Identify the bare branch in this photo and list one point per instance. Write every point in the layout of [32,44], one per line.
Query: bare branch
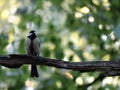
[16,60]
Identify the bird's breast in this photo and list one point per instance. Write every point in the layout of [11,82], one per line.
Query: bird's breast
[31,48]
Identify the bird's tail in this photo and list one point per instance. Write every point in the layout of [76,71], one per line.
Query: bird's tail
[34,72]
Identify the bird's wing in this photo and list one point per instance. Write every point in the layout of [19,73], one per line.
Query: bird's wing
[36,45]
[27,45]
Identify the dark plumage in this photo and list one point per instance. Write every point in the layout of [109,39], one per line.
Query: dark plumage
[32,46]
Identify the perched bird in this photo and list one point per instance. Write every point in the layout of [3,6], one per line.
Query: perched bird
[32,46]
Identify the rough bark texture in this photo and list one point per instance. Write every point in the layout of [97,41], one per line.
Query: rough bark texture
[111,68]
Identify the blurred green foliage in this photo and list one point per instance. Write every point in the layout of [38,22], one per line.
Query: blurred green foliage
[71,30]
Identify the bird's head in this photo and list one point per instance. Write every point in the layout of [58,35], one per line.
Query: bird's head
[32,34]
[32,31]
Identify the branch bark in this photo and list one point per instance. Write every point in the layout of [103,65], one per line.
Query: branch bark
[111,68]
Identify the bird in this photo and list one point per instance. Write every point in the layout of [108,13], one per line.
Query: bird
[32,46]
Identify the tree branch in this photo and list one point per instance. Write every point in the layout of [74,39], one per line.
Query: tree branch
[111,68]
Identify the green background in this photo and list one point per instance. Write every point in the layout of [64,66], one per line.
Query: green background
[70,30]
